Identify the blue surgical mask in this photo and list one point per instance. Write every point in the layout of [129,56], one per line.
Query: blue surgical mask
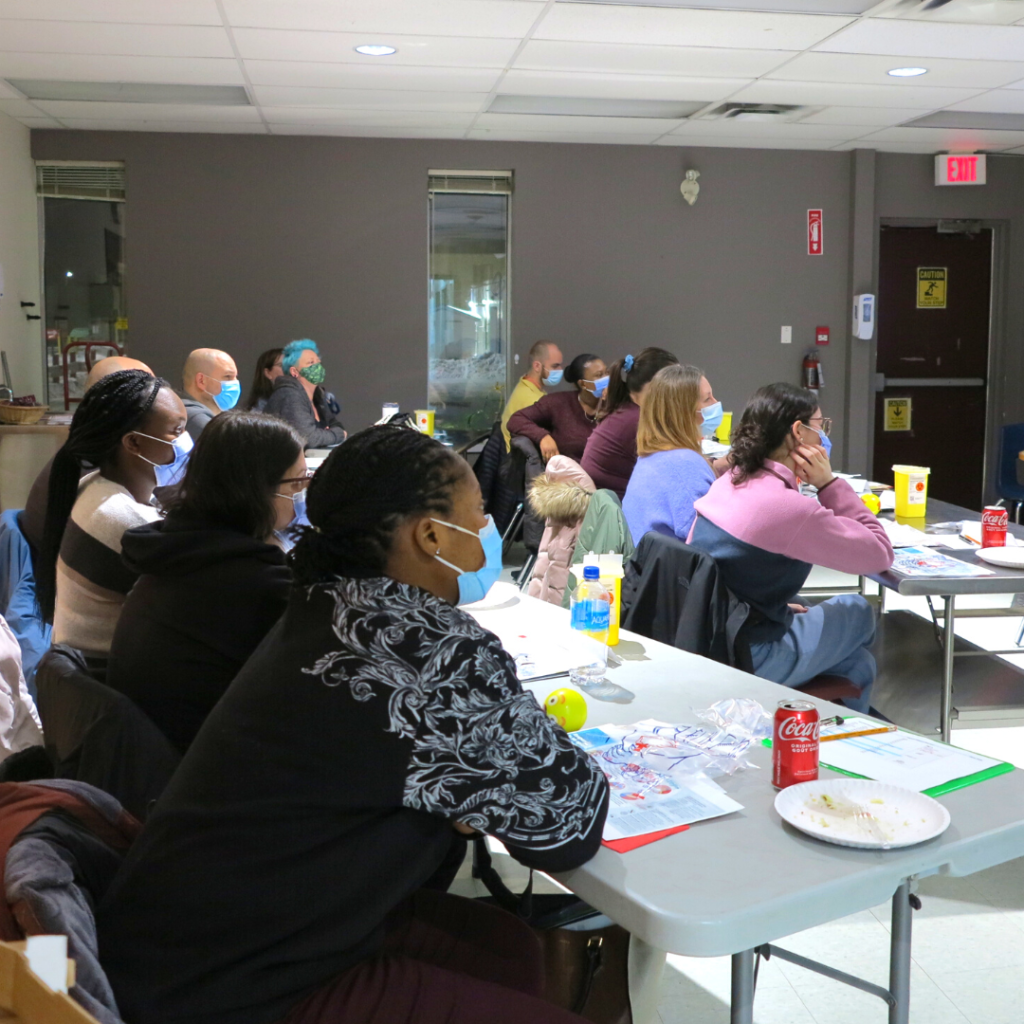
[554,377]
[826,442]
[230,392]
[169,473]
[298,501]
[474,586]
[712,417]
[601,385]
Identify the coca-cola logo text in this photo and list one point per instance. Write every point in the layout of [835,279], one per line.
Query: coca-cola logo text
[998,519]
[796,729]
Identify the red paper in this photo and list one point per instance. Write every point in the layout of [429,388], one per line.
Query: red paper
[635,842]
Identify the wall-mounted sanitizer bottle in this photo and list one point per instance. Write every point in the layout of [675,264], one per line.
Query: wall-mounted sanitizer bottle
[864,316]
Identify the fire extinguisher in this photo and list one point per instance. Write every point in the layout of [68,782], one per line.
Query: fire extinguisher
[812,372]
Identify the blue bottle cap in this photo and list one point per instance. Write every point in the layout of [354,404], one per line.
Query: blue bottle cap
[591,572]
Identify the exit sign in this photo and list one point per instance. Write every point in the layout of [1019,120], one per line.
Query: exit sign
[960,169]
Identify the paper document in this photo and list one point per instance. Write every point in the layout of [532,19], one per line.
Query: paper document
[888,501]
[920,561]
[904,759]
[852,725]
[713,448]
[902,536]
[539,652]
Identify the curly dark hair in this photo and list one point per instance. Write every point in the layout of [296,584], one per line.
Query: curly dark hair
[358,497]
[767,419]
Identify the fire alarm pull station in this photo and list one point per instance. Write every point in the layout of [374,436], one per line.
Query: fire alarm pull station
[821,336]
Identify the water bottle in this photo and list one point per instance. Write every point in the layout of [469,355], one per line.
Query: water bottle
[590,614]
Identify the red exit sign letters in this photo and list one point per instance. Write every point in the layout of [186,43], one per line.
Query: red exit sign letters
[960,169]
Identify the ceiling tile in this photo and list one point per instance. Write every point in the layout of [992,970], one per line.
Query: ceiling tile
[999,101]
[145,111]
[380,118]
[38,122]
[818,94]
[960,139]
[731,129]
[368,99]
[889,147]
[878,117]
[339,47]
[633,87]
[498,18]
[90,124]
[601,139]
[680,27]
[90,68]
[759,143]
[588,125]
[927,39]
[979,12]
[19,108]
[368,76]
[8,93]
[126,40]
[869,69]
[366,131]
[151,12]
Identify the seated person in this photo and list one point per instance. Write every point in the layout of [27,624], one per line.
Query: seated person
[32,519]
[765,536]
[298,398]
[611,449]
[545,359]
[211,387]
[268,369]
[211,578]
[560,423]
[670,472]
[131,427]
[281,876]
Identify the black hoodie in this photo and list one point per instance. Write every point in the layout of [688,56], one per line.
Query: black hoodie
[205,598]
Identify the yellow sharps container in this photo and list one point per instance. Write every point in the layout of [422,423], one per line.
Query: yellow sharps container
[911,483]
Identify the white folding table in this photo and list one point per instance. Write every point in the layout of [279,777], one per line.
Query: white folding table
[734,884]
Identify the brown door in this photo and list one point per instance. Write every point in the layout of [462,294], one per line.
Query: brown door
[933,325]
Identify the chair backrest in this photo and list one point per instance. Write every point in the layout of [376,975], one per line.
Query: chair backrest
[25,995]
[95,734]
[1011,445]
[18,603]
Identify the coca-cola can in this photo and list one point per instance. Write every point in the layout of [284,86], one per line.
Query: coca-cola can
[994,519]
[795,743]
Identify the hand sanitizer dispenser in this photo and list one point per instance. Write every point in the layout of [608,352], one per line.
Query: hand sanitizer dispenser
[864,316]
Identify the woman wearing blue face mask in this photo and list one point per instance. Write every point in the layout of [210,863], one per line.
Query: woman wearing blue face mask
[823,426]
[375,723]
[130,429]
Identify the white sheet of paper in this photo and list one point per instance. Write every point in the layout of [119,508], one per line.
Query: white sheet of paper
[888,501]
[904,759]
[902,536]
[538,653]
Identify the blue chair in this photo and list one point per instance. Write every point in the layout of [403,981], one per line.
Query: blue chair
[18,603]
[1008,485]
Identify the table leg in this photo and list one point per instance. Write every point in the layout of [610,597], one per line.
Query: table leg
[742,1004]
[899,955]
[645,966]
[948,647]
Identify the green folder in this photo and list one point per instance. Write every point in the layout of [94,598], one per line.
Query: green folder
[941,790]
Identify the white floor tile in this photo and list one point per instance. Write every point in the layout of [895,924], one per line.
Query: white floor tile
[993,996]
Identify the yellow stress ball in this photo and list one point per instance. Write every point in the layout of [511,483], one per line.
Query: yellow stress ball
[567,708]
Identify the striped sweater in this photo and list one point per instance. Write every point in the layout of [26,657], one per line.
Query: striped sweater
[92,581]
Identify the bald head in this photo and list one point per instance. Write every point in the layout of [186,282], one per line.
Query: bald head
[206,369]
[105,367]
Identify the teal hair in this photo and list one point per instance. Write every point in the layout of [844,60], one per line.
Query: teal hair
[293,352]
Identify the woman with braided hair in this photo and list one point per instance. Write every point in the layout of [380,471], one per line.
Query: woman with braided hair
[293,871]
[130,429]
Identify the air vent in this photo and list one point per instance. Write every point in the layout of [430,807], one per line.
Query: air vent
[133,92]
[101,180]
[592,106]
[969,119]
[755,112]
[469,181]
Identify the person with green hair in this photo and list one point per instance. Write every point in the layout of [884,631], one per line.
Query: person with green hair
[298,397]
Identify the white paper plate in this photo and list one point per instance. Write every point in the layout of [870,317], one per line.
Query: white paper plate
[827,809]
[501,595]
[1009,558]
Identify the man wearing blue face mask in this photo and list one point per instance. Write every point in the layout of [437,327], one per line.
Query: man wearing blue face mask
[545,369]
[210,385]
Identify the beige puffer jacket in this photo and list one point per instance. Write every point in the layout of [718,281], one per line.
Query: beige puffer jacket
[561,496]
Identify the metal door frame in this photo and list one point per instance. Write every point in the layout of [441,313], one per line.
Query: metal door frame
[996,385]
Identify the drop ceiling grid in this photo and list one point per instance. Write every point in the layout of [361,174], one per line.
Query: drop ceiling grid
[297,61]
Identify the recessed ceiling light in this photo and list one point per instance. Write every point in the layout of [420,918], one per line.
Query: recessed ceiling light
[375,50]
[908,72]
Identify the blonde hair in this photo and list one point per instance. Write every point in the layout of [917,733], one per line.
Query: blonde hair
[668,416]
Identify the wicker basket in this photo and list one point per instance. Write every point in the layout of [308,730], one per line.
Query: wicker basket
[22,414]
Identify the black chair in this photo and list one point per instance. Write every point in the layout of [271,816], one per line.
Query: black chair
[95,734]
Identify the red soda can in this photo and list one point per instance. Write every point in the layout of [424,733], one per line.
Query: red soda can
[795,743]
[994,519]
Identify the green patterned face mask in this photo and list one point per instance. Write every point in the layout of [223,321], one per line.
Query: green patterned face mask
[314,373]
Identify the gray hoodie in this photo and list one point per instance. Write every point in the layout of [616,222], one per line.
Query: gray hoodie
[198,415]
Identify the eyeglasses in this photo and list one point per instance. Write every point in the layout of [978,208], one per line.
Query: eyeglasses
[299,479]
[824,424]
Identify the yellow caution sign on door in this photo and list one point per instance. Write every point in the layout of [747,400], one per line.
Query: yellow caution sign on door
[931,287]
[897,413]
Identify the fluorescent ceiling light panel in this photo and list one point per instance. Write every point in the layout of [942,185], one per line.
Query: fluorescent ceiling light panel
[778,6]
[969,119]
[907,72]
[376,50]
[134,92]
[593,106]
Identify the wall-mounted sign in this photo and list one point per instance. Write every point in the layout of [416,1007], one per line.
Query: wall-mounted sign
[814,233]
[960,169]
[897,413]
[931,287]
